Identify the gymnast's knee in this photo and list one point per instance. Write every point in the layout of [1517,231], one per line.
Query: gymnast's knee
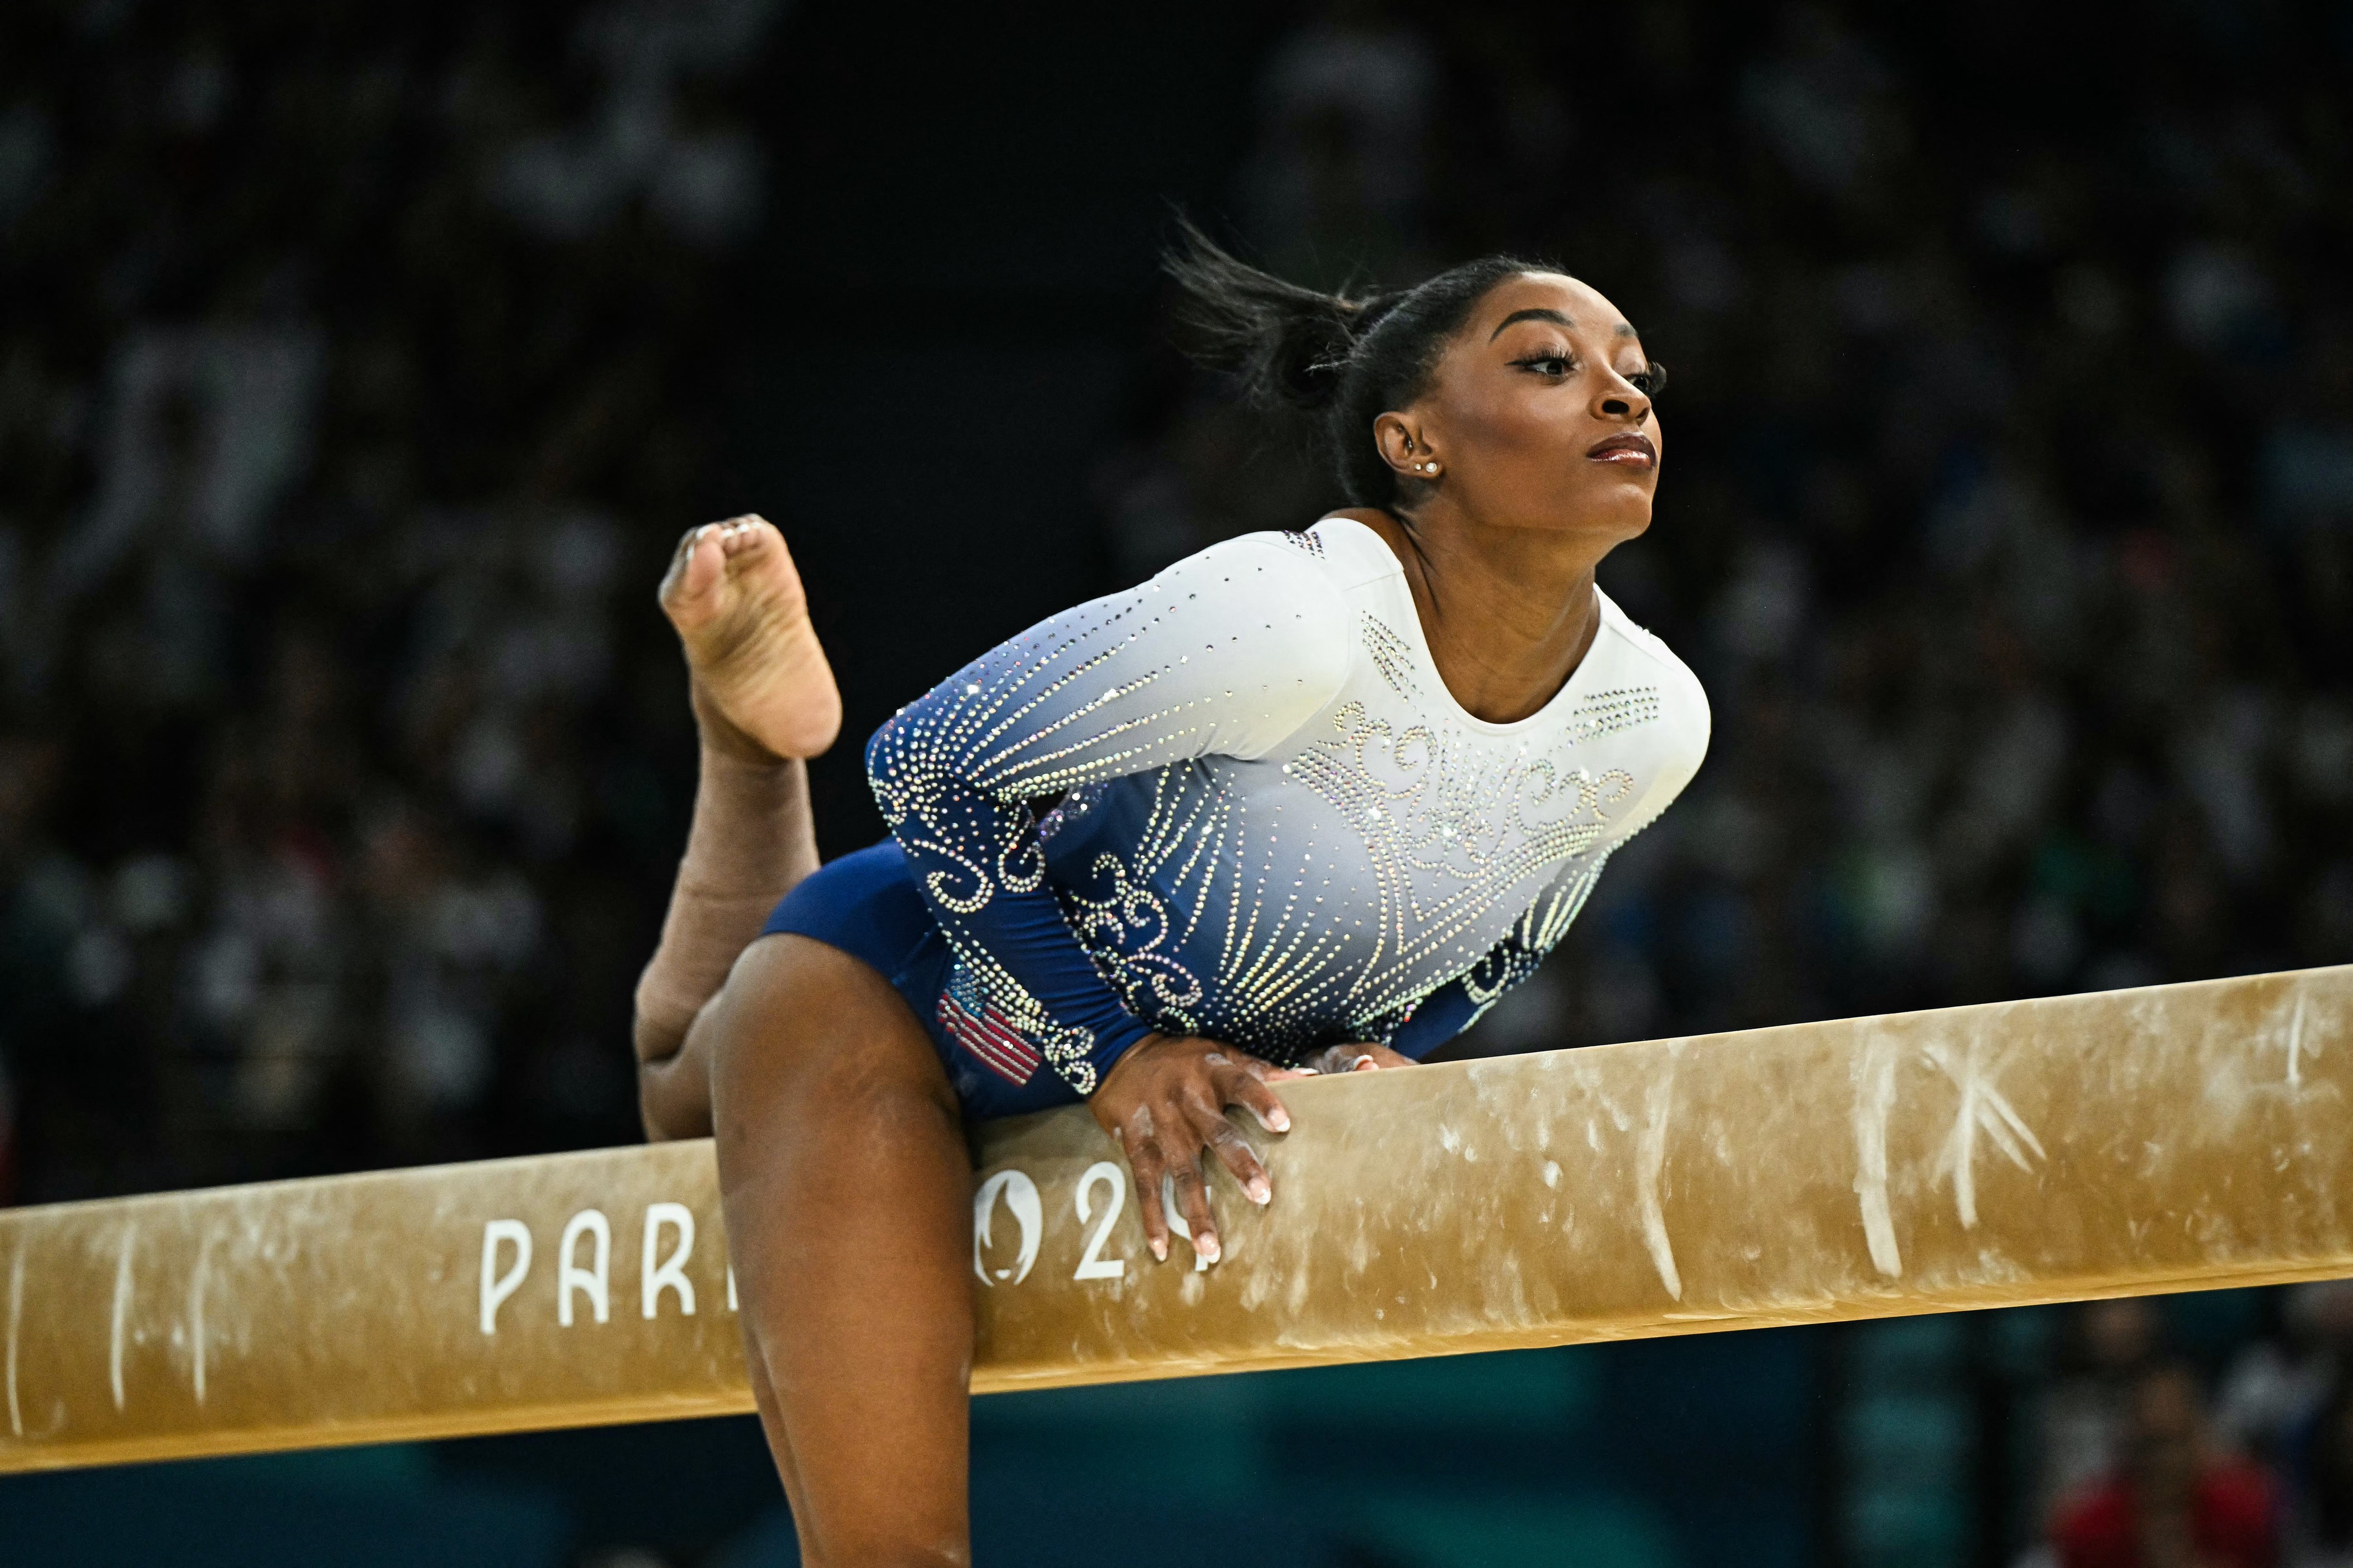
[804,1033]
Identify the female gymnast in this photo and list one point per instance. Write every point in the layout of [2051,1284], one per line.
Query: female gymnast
[1302,802]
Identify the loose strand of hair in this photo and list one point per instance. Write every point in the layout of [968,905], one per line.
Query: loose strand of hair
[1288,345]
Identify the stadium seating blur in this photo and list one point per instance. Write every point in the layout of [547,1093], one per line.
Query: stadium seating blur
[360,364]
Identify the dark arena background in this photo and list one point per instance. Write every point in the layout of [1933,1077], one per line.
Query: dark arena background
[361,364]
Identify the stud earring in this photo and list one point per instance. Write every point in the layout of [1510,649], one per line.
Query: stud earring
[1429,468]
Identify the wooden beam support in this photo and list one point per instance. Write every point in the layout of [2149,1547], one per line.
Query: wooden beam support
[2176,1138]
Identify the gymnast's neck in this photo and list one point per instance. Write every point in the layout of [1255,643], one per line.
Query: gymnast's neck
[1508,613]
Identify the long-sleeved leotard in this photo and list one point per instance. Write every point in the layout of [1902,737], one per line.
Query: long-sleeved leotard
[1264,818]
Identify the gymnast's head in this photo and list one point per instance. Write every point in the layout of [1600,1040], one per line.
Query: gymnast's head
[1500,394]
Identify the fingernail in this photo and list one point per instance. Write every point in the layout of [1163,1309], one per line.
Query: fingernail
[1258,1191]
[1207,1246]
[1279,1122]
[1363,1064]
[1160,1250]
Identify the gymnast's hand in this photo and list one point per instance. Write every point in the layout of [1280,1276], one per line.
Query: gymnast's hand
[1166,1102]
[1364,1057]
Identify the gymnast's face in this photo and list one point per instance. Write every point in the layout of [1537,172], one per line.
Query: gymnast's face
[1538,416]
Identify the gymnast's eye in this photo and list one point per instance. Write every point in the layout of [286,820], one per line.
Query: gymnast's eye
[1551,364]
[1650,380]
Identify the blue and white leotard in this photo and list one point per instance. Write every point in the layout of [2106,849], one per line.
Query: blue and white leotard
[1276,825]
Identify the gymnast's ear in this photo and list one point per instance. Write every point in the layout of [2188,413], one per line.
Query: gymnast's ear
[1404,447]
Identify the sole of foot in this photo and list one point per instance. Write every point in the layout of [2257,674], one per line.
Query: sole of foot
[737,603]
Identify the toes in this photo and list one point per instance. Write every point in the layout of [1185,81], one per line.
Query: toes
[688,544]
[745,535]
[693,569]
[705,560]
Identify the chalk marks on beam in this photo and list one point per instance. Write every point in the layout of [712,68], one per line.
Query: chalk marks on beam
[1983,1108]
[121,1311]
[198,1346]
[1650,1157]
[15,1332]
[2296,1048]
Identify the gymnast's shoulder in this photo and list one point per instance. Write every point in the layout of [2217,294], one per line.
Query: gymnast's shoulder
[1283,598]
[1334,556]
[1683,711]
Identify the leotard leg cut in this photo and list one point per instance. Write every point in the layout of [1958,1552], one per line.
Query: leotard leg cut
[867,906]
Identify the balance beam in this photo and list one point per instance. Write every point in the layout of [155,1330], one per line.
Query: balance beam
[2181,1137]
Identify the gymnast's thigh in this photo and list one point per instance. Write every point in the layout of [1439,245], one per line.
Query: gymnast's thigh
[803,1028]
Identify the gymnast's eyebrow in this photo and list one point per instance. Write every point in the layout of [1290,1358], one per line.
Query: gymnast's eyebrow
[1538,314]
[1624,329]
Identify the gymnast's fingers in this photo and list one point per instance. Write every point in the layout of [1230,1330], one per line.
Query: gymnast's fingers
[1233,1152]
[1243,1085]
[1358,1058]
[1143,1159]
[1193,1199]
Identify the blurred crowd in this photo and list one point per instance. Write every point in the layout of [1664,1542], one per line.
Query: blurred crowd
[2134,1451]
[2008,505]
[353,381]
[348,407]
[2007,516]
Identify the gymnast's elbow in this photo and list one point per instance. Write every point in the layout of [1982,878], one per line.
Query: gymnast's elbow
[896,757]
[910,771]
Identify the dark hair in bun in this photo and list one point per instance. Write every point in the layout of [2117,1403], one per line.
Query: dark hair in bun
[1343,358]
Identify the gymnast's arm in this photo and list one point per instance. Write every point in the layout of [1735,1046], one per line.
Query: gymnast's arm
[1226,653]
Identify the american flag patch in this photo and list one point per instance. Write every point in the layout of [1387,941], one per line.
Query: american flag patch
[974,1023]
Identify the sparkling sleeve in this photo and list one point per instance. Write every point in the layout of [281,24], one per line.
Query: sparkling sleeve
[1226,653]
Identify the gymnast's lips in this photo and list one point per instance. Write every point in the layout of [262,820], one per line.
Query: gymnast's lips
[1632,448]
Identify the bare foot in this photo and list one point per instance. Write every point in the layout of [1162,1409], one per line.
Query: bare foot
[736,600]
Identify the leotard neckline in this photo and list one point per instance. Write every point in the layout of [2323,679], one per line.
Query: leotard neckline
[1418,639]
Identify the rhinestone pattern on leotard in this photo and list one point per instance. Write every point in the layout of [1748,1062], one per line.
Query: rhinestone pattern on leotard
[1274,828]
